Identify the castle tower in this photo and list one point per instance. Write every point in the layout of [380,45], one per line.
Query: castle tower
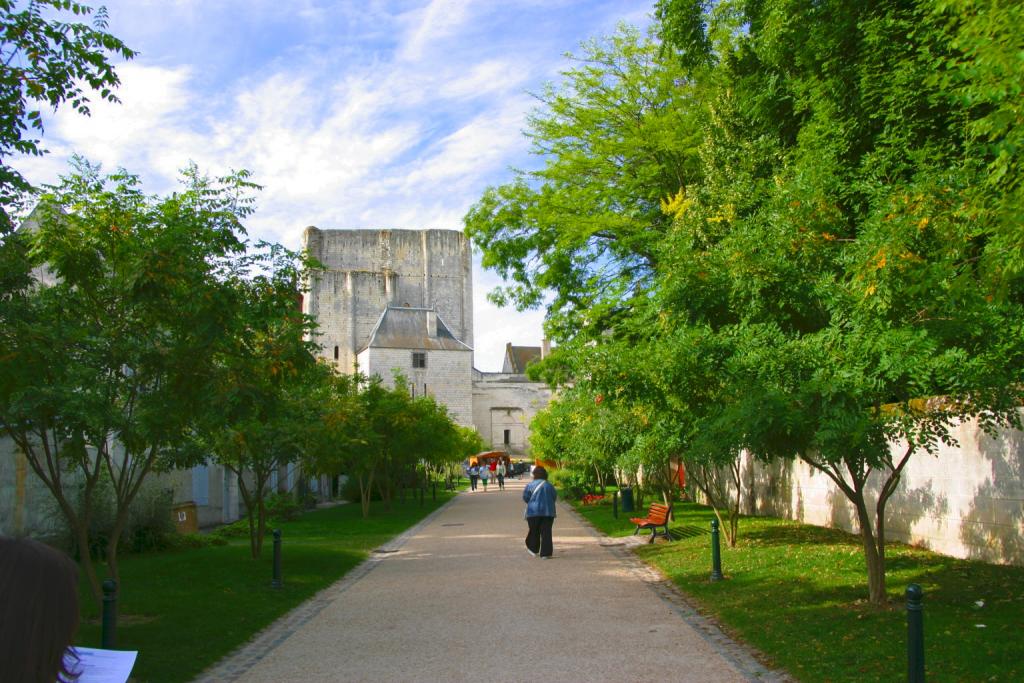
[366,271]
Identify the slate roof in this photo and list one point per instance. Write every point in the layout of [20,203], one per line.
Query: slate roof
[406,328]
[518,357]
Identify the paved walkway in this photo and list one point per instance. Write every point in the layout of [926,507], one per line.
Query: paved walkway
[458,598]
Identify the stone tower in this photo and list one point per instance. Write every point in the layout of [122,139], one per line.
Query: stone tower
[366,271]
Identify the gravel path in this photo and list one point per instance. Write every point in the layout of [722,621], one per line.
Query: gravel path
[458,598]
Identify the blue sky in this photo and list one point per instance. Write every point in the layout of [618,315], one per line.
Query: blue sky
[374,114]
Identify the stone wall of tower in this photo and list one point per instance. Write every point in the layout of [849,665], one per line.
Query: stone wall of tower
[446,377]
[366,270]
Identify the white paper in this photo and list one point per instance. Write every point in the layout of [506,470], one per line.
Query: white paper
[103,666]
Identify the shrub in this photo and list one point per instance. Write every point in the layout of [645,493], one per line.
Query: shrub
[149,524]
[184,541]
[572,484]
[283,506]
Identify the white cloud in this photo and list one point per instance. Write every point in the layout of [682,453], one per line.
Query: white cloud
[366,114]
[428,26]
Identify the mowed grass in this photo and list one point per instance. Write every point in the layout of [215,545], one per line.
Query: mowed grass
[184,610]
[798,594]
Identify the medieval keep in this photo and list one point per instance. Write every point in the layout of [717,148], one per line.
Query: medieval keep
[401,301]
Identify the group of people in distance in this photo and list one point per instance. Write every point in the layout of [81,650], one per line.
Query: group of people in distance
[482,474]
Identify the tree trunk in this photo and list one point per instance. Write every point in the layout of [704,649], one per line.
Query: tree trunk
[250,514]
[874,561]
[261,526]
[735,505]
[365,491]
[82,539]
[50,475]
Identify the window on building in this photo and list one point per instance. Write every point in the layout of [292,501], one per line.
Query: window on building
[335,353]
[419,359]
[508,436]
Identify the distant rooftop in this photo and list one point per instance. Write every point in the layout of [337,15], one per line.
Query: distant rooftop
[518,357]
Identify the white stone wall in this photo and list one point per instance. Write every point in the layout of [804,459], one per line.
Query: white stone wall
[504,401]
[366,270]
[26,505]
[966,501]
[446,377]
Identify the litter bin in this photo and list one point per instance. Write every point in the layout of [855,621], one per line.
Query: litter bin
[627,499]
[186,521]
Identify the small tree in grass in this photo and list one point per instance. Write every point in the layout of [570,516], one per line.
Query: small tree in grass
[255,415]
[104,369]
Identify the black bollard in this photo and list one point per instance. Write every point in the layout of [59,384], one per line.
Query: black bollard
[276,582]
[108,637]
[433,489]
[716,553]
[915,634]
[421,496]
[615,504]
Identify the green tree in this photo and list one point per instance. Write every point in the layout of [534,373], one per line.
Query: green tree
[338,440]
[255,417]
[617,136]
[104,359]
[47,61]
[830,245]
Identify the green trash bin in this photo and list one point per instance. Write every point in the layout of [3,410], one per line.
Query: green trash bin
[626,495]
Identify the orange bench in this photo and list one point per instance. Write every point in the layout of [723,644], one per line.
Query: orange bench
[657,516]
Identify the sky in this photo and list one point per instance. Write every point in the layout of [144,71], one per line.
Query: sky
[351,114]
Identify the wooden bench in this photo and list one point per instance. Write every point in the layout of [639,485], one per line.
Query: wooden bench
[657,516]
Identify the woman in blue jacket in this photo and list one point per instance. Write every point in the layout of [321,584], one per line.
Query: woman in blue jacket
[540,496]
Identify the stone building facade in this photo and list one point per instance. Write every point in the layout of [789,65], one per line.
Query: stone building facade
[401,301]
[366,271]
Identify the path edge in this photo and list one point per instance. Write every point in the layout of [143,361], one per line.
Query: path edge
[234,665]
[743,657]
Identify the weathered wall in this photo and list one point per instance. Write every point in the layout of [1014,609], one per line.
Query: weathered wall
[966,501]
[447,376]
[505,401]
[368,269]
[26,507]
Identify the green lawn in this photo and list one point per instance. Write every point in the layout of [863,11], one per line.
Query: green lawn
[798,594]
[184,610]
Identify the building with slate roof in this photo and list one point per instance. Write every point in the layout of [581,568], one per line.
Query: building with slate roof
[401,301]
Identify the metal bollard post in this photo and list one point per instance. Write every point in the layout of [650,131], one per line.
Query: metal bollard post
[615,504]
[421,496]
[433,488]
[716,553]
[276,582]
[915,634]
[108,637]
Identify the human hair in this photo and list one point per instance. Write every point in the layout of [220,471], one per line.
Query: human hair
[38,611]
[539,472]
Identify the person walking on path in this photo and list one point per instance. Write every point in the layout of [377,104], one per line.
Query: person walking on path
[474,474]
[539,496]
[485,474]
[501,475]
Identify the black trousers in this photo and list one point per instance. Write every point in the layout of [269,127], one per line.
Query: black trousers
[472,481]
[539,539]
